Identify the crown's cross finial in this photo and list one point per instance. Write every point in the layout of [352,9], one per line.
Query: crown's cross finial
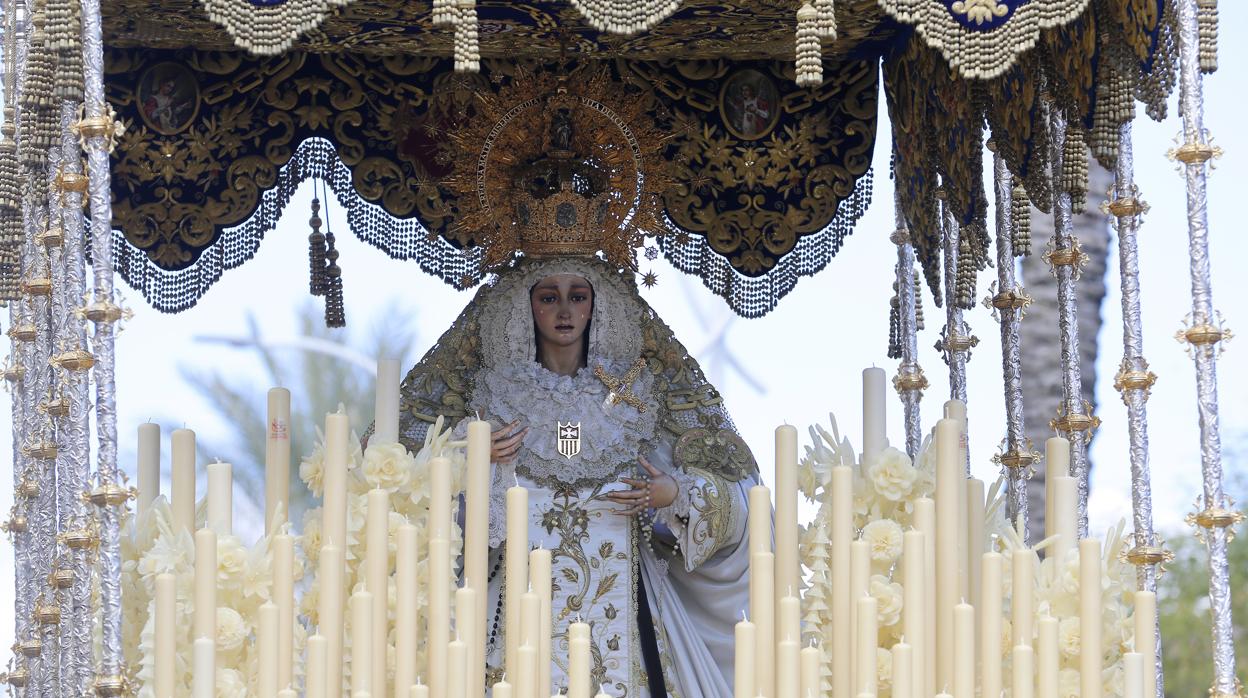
[621,389]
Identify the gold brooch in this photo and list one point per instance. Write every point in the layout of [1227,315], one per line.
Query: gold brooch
[621,389]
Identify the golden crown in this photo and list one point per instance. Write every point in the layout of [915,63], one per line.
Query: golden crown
[551,169]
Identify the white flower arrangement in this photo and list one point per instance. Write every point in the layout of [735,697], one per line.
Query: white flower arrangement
[244,573]
[885,489]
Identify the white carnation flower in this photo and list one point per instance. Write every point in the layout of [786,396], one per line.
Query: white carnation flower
[231,561]
[884,536]
[891,474]
[312,469]
[889,597]
[1068,683]
[1069,637]
[387,466]
[884,670]
[232,630]
[230,684]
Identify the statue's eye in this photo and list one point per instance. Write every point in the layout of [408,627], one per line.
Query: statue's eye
[548,299]
[579,298]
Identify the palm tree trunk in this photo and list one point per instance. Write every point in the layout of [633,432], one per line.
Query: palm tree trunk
[1042,371]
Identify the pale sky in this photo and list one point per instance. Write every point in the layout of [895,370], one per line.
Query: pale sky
[808,353]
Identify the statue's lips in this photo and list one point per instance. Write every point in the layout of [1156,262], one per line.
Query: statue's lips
[563,328]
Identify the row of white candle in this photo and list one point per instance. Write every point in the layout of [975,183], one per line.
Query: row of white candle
[947,545]
[528,626]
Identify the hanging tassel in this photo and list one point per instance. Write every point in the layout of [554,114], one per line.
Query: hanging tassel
[918,302]
[1075,169]
[467,50]
[39,120]
[826,10]
[64,36]
[10,213]
[964,284]
[316,252]
[443,13]
[894,323]
[1021,215]
[809,51]
[1207,27]
[335,313]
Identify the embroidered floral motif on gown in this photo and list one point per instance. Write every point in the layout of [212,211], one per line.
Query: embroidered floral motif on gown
[694,565]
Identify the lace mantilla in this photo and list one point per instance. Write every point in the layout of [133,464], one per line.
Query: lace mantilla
[611,435]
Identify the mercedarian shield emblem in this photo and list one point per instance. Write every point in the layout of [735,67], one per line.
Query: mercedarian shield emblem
[569,439]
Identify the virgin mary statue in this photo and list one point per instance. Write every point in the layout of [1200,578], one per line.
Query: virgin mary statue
[636,475]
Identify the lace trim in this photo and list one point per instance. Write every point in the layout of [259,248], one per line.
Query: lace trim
[611,437]
[676,515]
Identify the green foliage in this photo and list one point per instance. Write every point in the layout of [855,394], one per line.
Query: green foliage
[1183,607]
[318,383]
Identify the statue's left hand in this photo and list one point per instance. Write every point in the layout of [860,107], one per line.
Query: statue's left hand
[656,491]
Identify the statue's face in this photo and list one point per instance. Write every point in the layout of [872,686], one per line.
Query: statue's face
[562,305]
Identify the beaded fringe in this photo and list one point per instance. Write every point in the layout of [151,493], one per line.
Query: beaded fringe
[1020,205]
[1207,27]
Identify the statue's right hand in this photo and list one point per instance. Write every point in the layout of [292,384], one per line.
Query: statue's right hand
[505,442]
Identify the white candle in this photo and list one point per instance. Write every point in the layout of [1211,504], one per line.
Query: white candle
[925,521]
[287,693]
[1146,638]
[1133,675]
[501,689]
[526,676]
[788,667]
[790,624]
[810,681]
[874,413]
[517,560]
[166,633]
[540,580]
[975,547]
[903,671]
[990,625]
[330,615]
[334,478]
[949,475]
[149,466]
[602,693]
[318,652]
[1023,604]
[956,410]
[205,618]
[788,570]
[1091,652]
[221,498]
[422,691]
[204,661]
[266,639]
[1066,495]
[476,541]
[386,425]
[439,625]
[842,494]
[1024,673]
[361,642]
[377,578]
[746,646]
[277,460]
[859,586]
[1048,657]
[760,519]
[914,614]
[284,597]
[578,660]
[868,638]
[762,610]
[182,469]
[465,625]
[405,605]
[964,651]
[457,669]
[1056,464]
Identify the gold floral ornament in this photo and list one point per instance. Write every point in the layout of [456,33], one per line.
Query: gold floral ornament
[558,165]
